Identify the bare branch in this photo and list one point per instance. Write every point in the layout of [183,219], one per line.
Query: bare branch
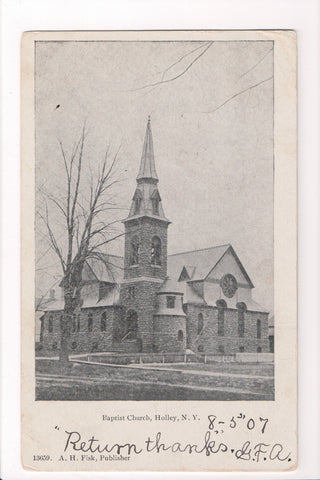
[94,247]
[177,76]
[239,93]
[55,201]
[256,64]
[53,240]
[181,58]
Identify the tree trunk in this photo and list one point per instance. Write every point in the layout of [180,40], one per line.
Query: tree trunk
[72,304]
[65,327]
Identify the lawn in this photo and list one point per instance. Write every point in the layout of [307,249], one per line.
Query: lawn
[262,369]
[100,382]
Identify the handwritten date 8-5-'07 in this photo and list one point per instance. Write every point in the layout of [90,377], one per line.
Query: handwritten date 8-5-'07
[237,421]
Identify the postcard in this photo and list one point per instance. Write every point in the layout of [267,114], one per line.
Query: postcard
[159,251]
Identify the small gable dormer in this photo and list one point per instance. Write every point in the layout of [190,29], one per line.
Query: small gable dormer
[186,273]
[137,200]
[155,201]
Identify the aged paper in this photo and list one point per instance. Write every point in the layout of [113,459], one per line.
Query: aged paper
[159,251]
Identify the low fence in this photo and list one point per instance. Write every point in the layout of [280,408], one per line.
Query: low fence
[125,359]
[147,358]
[254,357]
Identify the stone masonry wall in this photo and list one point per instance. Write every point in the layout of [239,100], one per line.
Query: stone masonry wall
[210,342]
[81,341]
[166,333]
[145,228]
[140,296]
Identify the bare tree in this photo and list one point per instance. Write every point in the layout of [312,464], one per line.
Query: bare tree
[83,211]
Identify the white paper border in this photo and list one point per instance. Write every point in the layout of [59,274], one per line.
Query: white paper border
[300,15]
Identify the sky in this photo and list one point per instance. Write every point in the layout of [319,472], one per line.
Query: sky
[211,108]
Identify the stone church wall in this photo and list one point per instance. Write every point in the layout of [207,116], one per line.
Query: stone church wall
[83,340]
[208,341]
[145,229]
[140,296]
[169,333]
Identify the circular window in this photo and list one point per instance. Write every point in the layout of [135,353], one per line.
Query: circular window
[229,285]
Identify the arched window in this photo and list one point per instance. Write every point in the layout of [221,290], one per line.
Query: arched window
[134,251]
[259,350]
[74,325]
[221,349]
[156,251]
[50,324]
[200,323]
[241,349]
[41,328]
[258,328]
[103,323]
[241,310]
[131,325]
[180,335]
[271,343]
[221,304]
[90,322]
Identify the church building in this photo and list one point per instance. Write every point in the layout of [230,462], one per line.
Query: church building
[149,301]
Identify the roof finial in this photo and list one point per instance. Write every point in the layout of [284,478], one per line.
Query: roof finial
[147,166]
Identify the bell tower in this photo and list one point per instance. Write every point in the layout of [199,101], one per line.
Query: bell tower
[145,253]
[146,225]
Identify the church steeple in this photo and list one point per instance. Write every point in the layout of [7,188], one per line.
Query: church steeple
[146,200]
[145,248]
[147,165]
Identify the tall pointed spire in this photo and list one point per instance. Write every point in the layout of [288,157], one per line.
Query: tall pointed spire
[147,165]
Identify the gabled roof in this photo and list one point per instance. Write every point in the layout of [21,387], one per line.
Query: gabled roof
[187,273]
[198,264]
[111,298]
[189,294]
[202,262]
[231,250]
[146,192]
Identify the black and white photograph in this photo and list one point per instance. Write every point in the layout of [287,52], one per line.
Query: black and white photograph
[154,220]
[159,251]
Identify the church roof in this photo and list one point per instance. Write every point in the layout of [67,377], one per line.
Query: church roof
[109,270]
[171,286]
[198,263]
[194,265]
[147,165]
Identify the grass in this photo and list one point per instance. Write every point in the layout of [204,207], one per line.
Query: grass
[100,382]
[263,369]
